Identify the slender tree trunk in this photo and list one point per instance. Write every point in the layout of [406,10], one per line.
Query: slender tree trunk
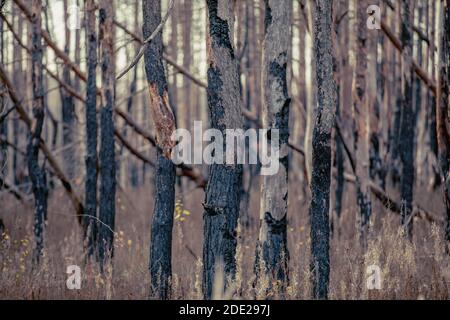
[68,104]
[91,128]
[222,192]
[19,80]
[272,243]
[340,61]
[164,123]
[431,110]
[187,56]
[407,118]
[36,173]
[443,108]
[378,60]
[361,114]
[321,149]
[311,92]
[3,122]
[107,158]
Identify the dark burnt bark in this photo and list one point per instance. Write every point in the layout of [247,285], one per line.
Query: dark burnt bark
[162,221]
[91,128]
[36,173]
[407,128]
[223,190]
[321,149]
[107,154]
[443,109]
[272,242]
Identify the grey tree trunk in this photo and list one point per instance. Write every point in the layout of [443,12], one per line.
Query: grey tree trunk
[341,30]
[36,173]
[223,190]
[68,104]
[321,149]
[407,129]
[272,242]
[361,117]
[3,122]
[107,158]
[164,122]
[91,128]
[443,109]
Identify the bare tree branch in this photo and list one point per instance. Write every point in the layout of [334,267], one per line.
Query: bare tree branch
[147,42]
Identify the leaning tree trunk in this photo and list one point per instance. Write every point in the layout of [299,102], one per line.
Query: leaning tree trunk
[36,173]
[164,122]
[443,108]
[107,158]
[361,114]
[272,243]
[223,189]
[321,149]
[407,118]
[91,128]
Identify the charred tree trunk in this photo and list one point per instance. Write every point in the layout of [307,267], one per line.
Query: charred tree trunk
[36,173]
[223,189]
[321,149]
[91,128]
[272,243]
[443,109]
[407,118]
[107,158]
[164,123]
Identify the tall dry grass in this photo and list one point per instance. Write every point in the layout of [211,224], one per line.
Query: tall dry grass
[410,270]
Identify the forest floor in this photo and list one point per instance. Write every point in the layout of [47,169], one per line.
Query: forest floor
[409,270]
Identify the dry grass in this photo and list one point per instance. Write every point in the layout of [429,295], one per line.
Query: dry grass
[416,270]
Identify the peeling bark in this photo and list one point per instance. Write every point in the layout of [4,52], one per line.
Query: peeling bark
[164,123]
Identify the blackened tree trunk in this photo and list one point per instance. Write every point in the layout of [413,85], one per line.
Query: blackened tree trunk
[361,115]
[223,190]
[107,158]
[272,243]
[36,173]
[443,109]
[321,149]
[91,128]
[164,122]
[407,118]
